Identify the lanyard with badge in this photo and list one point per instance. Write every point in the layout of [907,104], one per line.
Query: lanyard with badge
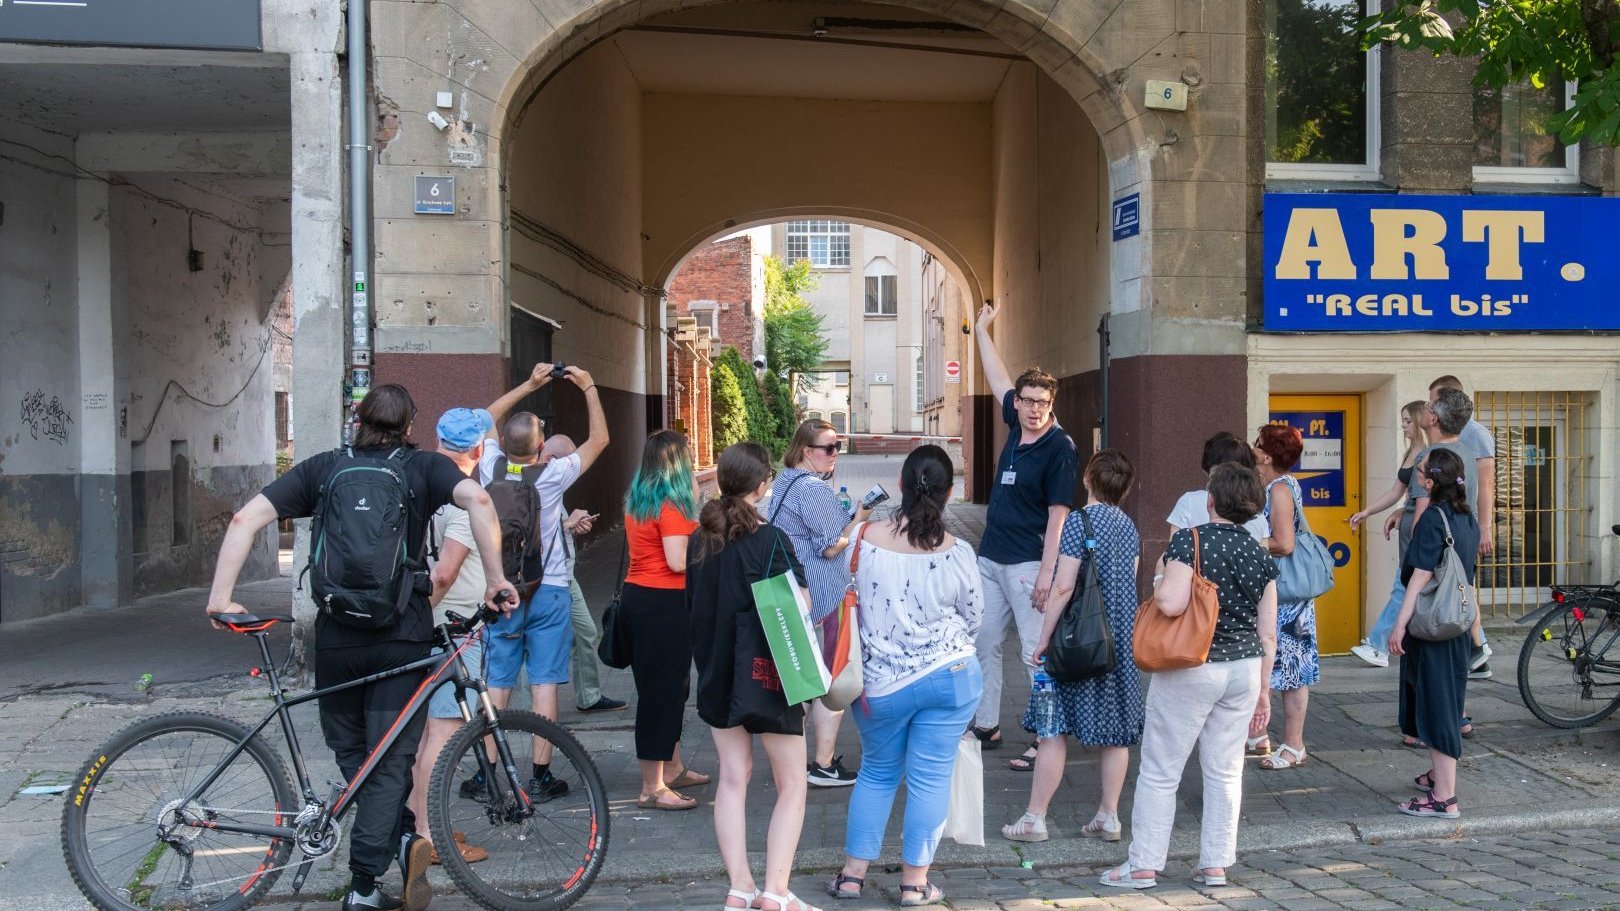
[1010,476]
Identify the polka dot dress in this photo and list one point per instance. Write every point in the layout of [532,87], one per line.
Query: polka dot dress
[1296,664]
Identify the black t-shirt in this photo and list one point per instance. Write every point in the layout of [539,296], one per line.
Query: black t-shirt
[1240,567]
[1042,475]
[432,479]
[1429,540]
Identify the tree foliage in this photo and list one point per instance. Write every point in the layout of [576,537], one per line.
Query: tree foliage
[727,410]
[794,345]
[784,411]
[1516,41]
[761,427]
[1318,92]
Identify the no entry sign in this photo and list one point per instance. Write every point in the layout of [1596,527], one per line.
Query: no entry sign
[953,371]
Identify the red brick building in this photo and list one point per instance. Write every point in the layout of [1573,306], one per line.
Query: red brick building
[715,300]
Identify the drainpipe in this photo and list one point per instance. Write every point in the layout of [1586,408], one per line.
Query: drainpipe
[359,205]
[1102,381]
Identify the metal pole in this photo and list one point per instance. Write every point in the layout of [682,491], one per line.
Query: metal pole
[359,148]
[1102,380]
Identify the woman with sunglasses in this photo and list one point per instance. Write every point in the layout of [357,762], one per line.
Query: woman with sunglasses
[805,506]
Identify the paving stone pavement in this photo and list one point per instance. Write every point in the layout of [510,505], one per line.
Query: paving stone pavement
[1306,834]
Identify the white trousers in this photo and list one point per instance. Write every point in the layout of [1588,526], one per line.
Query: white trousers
[1209,705]
[1007,591]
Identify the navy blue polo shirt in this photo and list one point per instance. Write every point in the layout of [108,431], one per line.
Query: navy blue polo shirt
[1042,475]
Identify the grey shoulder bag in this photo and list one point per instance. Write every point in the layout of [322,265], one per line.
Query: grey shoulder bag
[1446,604]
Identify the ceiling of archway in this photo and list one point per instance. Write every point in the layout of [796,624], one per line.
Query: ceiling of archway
[875,53]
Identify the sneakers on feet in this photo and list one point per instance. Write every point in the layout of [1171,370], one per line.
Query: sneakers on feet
[377,900]
[415,856]
[546,787]
[1481,671]
[474,789]
[1370,655]
[1478,656]
[831,776]
[604,704]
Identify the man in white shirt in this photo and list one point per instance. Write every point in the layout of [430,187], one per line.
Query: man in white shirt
[537,637]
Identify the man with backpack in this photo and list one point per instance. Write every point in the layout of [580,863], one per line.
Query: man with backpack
[369,577]
[528,495]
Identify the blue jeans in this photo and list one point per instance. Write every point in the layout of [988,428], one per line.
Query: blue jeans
[911,732]
[1379,637]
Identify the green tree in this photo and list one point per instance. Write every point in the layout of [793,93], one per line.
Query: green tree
[794,345]
[726,408]
[761,426]
[779,399]
[1519,41]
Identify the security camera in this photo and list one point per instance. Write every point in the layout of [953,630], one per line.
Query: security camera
[759,362]
[438,121]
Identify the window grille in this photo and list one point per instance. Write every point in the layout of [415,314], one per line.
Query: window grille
[823,243]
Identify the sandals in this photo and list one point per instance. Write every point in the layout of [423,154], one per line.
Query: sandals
[687,779]
[1124,877]
[1024,762]
[1425,782]
[1027,828]
[1257,746]
[786,902]
[1467,729]
[472,854]
[1209,880]
[1286,757]
[675,801]
[989,738]
[1428,806]
[836,887]
[1099,829]
[917,896]
[748,899]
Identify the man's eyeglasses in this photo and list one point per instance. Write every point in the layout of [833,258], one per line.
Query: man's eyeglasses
[1037,404]
[833,448]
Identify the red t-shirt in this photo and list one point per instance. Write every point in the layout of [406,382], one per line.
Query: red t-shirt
[648,568]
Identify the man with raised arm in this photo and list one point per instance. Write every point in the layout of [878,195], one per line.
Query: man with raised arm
[1031,493]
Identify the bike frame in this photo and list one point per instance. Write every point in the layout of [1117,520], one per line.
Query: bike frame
[448,666]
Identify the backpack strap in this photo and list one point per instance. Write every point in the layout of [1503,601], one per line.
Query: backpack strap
[776,507]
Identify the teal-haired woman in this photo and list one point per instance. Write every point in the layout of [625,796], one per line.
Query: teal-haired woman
[660,514]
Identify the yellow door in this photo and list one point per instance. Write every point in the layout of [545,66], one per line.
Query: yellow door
[1329,474]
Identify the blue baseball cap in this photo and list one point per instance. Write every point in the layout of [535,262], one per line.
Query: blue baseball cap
[461,429]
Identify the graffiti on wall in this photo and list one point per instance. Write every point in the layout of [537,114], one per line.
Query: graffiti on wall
[47,419]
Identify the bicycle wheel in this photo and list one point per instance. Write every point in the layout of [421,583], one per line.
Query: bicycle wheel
[1566,675]
[137,782]
[543,861]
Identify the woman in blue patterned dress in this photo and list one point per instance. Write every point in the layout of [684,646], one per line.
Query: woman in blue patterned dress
[1276,452]
[1107,711]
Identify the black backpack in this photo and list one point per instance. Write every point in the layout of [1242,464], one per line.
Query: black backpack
[360,565]
[517,505]
[1082,645]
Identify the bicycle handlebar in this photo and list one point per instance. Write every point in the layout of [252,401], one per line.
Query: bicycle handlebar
[484,616]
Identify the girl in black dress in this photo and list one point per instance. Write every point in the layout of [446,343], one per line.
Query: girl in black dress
[739,693]
[1434,675]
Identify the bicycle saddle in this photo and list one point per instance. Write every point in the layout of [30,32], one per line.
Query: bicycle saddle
[251,623]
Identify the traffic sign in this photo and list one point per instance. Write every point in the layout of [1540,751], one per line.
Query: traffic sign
[953,371]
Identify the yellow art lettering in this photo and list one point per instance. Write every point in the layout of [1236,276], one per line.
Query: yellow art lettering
[1501,233]
[1399,233]
[1315,236]
[1338,305]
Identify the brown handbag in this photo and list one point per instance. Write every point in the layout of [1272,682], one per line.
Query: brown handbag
[1163,643]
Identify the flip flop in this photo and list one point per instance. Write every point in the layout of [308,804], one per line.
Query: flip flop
[687,779]
[656,802]
[1024,762]
[989,738]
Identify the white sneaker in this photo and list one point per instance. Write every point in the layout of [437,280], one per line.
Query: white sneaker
[1478,655]
[1370,655]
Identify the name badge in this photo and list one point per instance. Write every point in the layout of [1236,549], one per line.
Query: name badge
[1009,477]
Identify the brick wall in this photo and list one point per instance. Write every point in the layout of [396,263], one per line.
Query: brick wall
[721,272]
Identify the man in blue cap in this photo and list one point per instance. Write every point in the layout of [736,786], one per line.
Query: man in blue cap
[458,585]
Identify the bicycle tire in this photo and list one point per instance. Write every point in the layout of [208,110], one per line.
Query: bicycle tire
[116,771]
[1545,665]
[519,878]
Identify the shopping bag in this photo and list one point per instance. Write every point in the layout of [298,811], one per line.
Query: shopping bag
[784,611]
[848,679]
[964,815]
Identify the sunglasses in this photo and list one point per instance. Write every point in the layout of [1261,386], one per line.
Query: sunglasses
[830,448]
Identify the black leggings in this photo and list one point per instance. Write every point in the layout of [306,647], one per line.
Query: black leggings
[657,630]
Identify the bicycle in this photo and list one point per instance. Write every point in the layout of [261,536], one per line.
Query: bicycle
[1569,665]
[195,811]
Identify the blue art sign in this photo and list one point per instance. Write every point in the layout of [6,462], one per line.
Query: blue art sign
[1356,262]
[1320,471]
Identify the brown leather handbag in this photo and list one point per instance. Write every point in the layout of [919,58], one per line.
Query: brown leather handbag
[1163,643]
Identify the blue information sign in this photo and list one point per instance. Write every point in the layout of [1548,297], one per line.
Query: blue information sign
[205,24]
[1320,472]
[1356,262]
[1128,216]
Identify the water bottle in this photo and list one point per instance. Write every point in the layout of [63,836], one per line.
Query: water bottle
[844,502]
[1043,705]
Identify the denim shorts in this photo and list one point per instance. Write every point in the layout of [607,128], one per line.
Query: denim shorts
[538,640]
[443,704]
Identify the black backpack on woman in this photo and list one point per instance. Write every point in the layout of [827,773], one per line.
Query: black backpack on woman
[1082,646]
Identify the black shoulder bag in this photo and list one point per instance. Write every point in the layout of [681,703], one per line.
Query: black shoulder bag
[1082,646]
[611,651]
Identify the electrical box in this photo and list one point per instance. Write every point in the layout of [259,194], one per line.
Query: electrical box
[1166,96]
[446,100]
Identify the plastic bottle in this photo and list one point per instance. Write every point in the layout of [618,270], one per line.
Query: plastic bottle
[844,502]
[1043,705]
[144,683]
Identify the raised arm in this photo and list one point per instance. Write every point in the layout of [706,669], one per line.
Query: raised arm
[995,369]
[597,442]
[539,376]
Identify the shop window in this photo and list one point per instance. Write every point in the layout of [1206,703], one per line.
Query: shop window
[824,243]
[1321,91]
[1511,141]
[1543,497]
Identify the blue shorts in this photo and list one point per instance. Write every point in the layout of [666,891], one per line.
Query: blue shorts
[538,640]
[443,704]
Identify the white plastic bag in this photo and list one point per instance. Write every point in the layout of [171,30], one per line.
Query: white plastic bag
[964,820]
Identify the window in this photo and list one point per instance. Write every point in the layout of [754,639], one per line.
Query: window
[840,377]
[917,381]
[1511,139]
[706,313]
[840,422]
[880,295]
[823,243]
[1321,91]
[812,415]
